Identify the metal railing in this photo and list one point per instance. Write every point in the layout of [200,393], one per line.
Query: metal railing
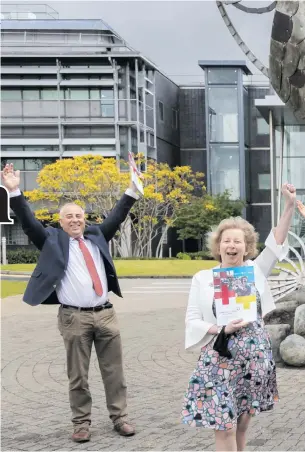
[29,11]
[62,39]
[258,80]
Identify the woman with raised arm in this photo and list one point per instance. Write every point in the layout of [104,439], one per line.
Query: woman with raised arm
[235,377]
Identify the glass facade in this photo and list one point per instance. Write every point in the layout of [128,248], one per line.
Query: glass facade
[28,164]
[225,138]
[290,166]
[225,169]
[223,105]
[222,76]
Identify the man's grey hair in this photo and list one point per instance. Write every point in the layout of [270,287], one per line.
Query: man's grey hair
[68,204]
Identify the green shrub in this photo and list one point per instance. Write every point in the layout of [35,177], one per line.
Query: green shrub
[199,256]
[134,258]
[22,256]
[184,256]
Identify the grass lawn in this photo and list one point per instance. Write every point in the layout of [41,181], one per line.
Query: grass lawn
[159,267]
[18,267]
[9,288]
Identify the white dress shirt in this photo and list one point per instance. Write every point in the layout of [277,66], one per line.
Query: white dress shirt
[76,287]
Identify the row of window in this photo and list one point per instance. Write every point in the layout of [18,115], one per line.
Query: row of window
[83,131]
[42,149]
[225,171]
[105,95]
[28,164]
[36,164]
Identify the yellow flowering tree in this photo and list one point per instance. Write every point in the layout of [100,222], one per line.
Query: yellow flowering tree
[96,183]
[93,182]
[165,190]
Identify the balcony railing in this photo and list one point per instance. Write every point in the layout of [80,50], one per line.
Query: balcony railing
[29,41]
[30,11]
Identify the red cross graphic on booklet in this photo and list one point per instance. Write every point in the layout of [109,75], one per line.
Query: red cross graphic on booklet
[135,174]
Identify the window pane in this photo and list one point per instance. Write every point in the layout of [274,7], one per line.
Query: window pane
[293,171]
[224,170]
[107,111]
[37,164]
[12,148]
[51,94]
[161,110]
[107,94]
[223,114]
[294,141]
[77,148]
[18,163]
[38,148]
[222,76]
[102,148]
[262,126]
[77,94]
[264,182]
[175,119]
[10,94]
[95,94]
[30,94]
[15,235]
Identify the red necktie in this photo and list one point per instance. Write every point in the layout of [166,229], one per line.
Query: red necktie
[97,285]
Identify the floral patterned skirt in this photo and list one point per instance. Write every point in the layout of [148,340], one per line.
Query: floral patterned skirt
[222,389]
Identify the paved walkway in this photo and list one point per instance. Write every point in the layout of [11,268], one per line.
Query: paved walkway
[35,409]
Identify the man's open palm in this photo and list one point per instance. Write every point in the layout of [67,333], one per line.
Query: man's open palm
[10,178]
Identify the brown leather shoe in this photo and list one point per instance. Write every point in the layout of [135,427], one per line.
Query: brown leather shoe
[81,434]
[125,429]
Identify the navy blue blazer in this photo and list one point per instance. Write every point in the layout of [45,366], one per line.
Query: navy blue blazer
[54,246]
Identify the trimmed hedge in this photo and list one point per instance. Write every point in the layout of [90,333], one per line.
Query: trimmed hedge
[199,256]
[30,256]
[22,256]
[205,256]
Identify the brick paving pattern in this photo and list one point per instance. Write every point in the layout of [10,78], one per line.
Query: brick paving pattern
[35,408]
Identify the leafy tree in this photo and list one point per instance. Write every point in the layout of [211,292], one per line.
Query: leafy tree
[197,217]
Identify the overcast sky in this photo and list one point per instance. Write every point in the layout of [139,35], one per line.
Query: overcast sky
[176,34]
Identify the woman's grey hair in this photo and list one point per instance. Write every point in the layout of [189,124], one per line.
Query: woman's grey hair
[251,237]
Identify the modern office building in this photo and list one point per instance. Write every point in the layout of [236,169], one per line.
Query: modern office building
[74,87]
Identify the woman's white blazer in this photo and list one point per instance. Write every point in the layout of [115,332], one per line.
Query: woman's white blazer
[199,314]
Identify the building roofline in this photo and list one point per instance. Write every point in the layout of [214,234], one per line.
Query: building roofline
[92,24]
[225,63]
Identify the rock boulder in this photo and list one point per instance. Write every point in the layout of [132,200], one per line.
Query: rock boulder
[299,320]
[292,350]
[277,334]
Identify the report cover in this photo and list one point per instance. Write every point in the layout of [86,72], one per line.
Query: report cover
[235,294]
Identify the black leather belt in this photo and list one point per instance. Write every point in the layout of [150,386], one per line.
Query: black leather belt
[107,305]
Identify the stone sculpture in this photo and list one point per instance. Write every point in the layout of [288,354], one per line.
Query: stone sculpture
[287,50]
